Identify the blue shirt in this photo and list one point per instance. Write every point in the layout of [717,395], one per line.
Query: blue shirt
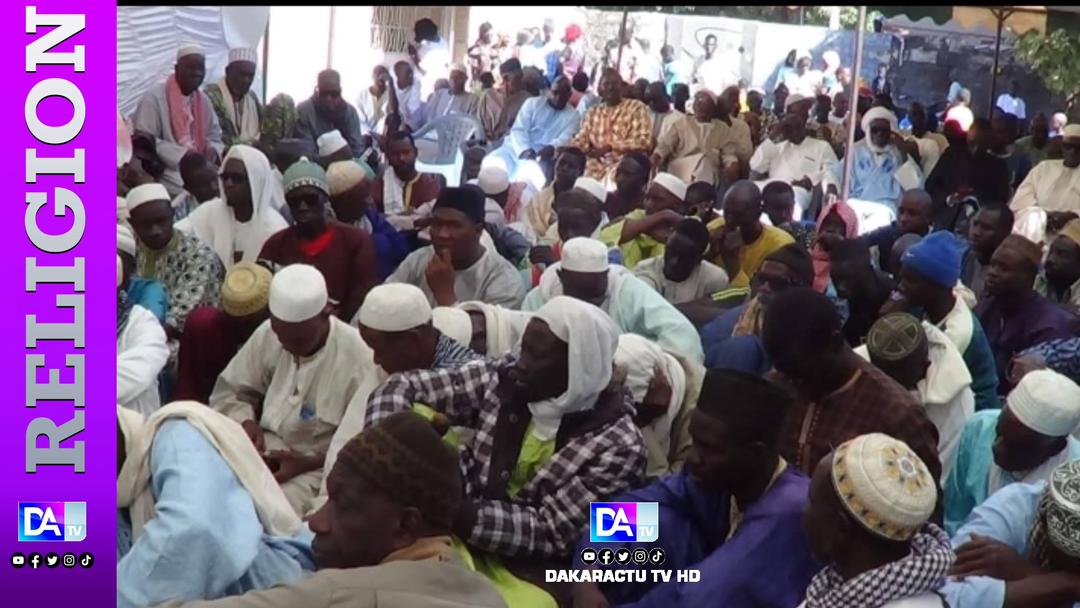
[724,351]
[150,294]
[205,540]
[873,182]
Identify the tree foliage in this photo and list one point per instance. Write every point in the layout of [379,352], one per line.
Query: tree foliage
[1054,58]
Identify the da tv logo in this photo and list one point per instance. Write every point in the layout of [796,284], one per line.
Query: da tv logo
[52,521]
[620,522]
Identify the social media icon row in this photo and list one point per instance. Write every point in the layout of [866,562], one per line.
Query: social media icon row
[51,560]
[623,556]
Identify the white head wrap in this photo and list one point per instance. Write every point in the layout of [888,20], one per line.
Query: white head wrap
[503,327]
[243,54]
[297,293]
[331,142]
[144,194]
[1046,402]
[582,254]
[267,192]
[672,184]
[454,323]
[493,180]
[592,338]
[395,307]
[593,187]
[877,113]
[639,358]
[884,485]
[189,48]
[343,175]
[125,240]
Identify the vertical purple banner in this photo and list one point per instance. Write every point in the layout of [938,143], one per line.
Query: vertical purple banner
[57,276]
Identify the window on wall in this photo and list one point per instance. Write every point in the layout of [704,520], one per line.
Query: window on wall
[392,28]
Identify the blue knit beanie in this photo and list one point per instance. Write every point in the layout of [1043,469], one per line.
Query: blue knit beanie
[937,257]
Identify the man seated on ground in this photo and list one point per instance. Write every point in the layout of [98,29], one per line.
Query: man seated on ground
[1017,550]
[179,117]
[326,110]
[868,518]
[141,351]
[795,159]
[179,470]
[641,234]
[1005,129]
[349,187]
[343,254]
[543,125]
[740,240]
[584,273]
[734,512]
[928,279]
[563,437]
[778,202]
[384,534]
[334,148]
[612,128]
[402,189]
[989,227]
[915,216]
[733,340]
[1021,442]
[698,146]
[1053,186]
[1014,316]
[701,201]
[682,274]
[924,361]
[836,223]
[631,179]
[290,383]
[860,285]
[456,267]
[569,166]
[511,198]
[579,214]
[1062,356]
[490,331]
[200,180]
[838,394]
[212,335]
[1060,280]
[187,268]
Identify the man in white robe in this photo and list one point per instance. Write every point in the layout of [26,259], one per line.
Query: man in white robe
[1052,188]
[797,160]
[180,117]
[289,385]
[141,352]
[543,125]
[238,109]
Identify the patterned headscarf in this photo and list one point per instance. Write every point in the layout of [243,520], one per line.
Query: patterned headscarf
[278,120]
[1058,520]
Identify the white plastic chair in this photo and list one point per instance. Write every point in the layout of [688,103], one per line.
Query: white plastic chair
[452,131]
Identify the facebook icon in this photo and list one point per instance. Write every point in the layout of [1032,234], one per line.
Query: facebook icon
[621,522]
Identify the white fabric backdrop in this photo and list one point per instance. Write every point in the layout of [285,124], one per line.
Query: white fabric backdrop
[147,38]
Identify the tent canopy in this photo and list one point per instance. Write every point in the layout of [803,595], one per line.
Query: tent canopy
[1020,19]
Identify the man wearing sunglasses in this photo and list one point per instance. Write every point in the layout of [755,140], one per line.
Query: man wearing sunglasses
[884,168]
[325,111]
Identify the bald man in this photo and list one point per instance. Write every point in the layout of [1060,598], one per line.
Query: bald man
[915,216]
[325,111]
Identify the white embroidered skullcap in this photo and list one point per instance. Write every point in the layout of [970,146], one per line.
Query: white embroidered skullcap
[1046,402]
[877,113]
[189,48]
[793,99]
[125,240]
[884,485]
[343,175]
[672,184]
[297,293]
[119,271]
[1071,131]
[243,54]
[1063,508]
[454,323]
[331,142]
[145,193]
[493,180]
[395,307]
[593,187]
[583,254]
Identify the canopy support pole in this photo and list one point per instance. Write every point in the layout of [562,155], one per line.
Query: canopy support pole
[853,114]
[1002,15]
[622,36]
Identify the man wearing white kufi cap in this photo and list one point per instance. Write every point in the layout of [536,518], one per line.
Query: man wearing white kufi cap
[238,109]
[642,233]
[291,382]
[550,434]
[148,293]
[882,172]
[584,273]
[1022,442]
[141,351]
[1022,546]
[868,518]
[180,116]
[1053,186]
[512,197]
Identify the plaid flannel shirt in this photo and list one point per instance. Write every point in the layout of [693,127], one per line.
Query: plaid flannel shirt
[547,517]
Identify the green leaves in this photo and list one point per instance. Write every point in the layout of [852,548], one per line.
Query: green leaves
[1054,57]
